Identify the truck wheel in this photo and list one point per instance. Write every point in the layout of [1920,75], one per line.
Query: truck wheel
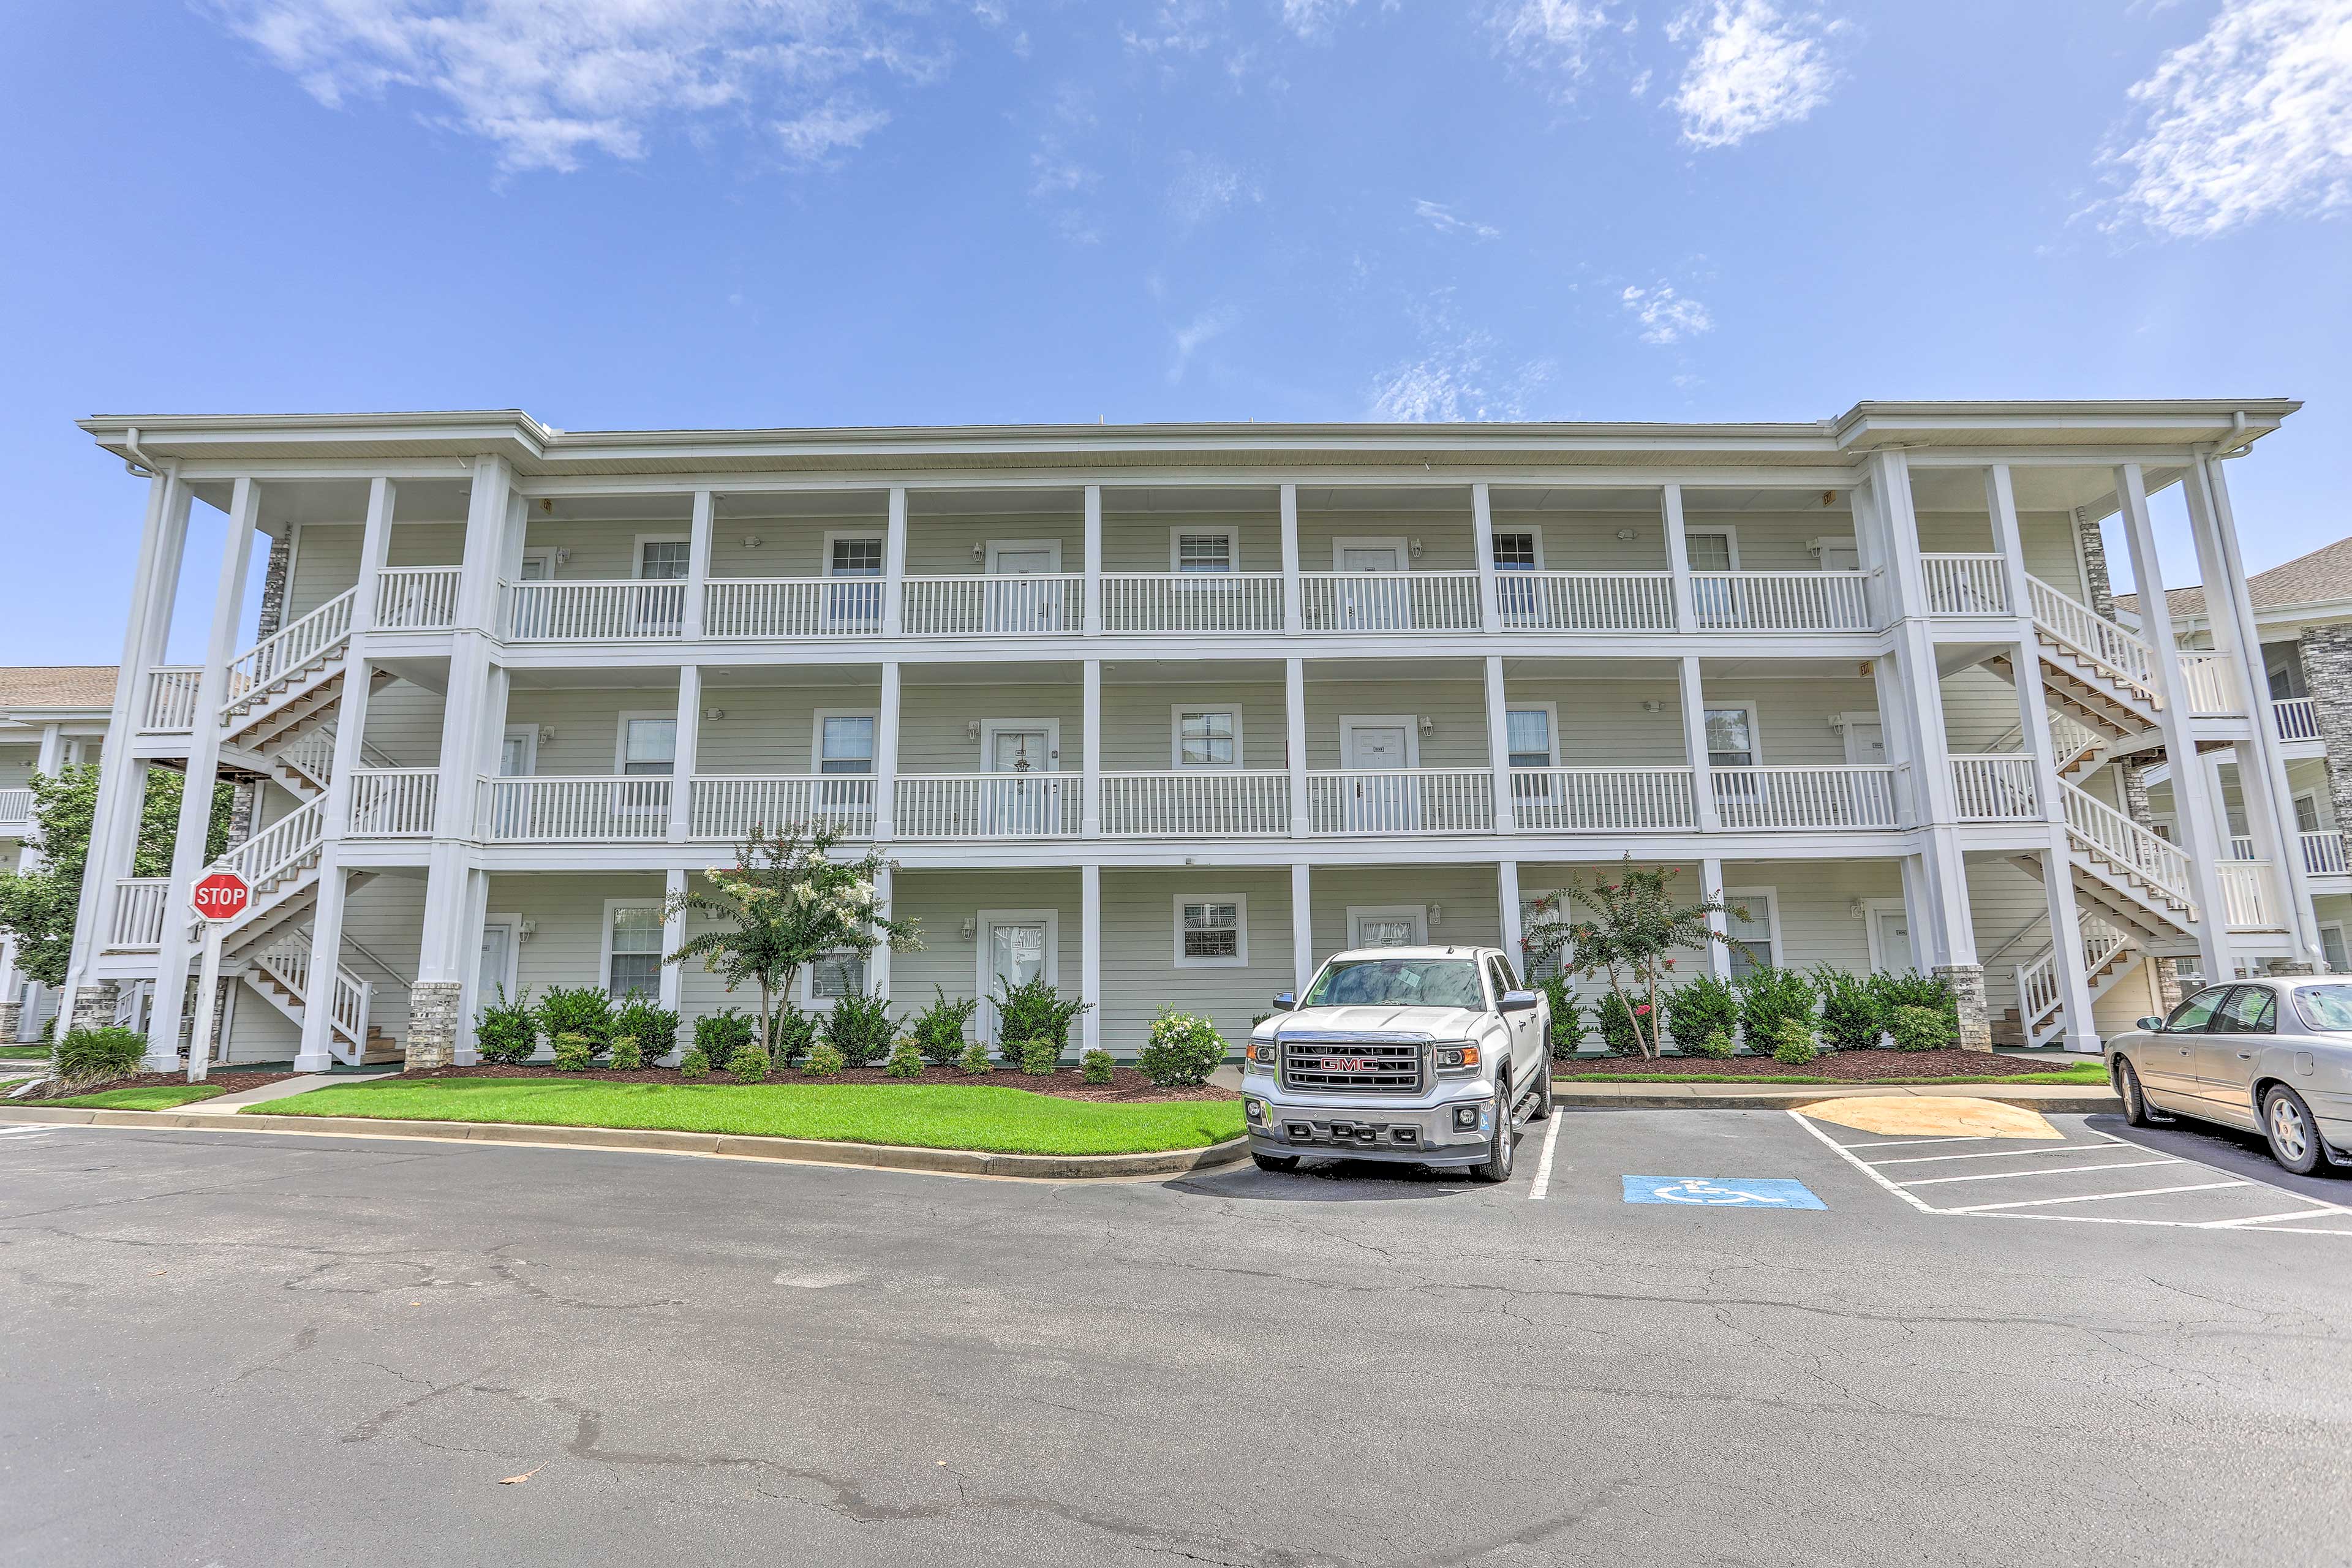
[1542,1112]
[1503,1146]
[1276,1162]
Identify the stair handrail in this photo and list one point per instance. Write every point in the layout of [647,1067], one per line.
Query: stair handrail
[394,976]
[2039,997]
[2017,936]
[290,648]
[267,856]
[2125,658]
[2108,832]
[287,961]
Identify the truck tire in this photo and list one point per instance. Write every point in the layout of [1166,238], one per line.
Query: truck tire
[1542,1112]
[1276,1162]
[1503,1146]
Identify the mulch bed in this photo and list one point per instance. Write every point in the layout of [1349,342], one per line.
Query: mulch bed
[1841,1065]
[1126,1086]
[229,1082]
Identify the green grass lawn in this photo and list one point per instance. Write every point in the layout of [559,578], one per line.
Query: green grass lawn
[2075,1074]
[920,1115]
[147,1096]
[24,1053]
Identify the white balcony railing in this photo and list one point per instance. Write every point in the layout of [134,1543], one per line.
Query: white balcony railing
[987,806]
[1781,601]
[2099,829]
[594,612]
[2247,896]
[572,810]
[2324,853]
[1602,800]
[1586,600]
[1198,802]
[138,922]
[283,654]
[1996,789]
[1192,602]
[726,809]
[16,812]
[1401,801]
[794,606]
[2123,656]
[2039,991]
[287,961]
[1390,601]
[393,803]
[971,604]
[1748,799]
[170,707]
[2205,676]
[1970,584]
[2297,717]
[416,599]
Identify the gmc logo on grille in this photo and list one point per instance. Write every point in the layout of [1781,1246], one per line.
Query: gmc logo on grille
[1344,1064]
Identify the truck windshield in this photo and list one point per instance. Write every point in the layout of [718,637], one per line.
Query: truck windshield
[1396,982]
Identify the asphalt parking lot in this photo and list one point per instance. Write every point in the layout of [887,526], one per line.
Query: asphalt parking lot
[234,1348]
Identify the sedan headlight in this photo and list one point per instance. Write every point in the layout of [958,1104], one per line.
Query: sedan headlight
[1457,1059]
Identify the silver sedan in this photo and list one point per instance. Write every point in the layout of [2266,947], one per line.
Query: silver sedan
[2273,1056]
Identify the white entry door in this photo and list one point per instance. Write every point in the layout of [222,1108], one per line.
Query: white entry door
[1865,741]
[496,975]
[1893,929]
[1025,802]
[1380,794]
[1029,598]
[1374,606]
[1018,953]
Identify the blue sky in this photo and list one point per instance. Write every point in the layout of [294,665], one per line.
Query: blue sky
[621,213]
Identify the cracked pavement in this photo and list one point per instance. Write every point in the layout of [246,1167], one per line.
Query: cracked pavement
[225,1348]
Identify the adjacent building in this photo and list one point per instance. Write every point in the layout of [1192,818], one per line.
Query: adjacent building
[1165,714]
[51,717]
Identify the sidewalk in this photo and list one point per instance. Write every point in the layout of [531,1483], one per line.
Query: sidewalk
[1667,1095]
[230,1104]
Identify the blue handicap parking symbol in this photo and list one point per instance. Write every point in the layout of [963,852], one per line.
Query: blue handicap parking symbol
[1721,1192]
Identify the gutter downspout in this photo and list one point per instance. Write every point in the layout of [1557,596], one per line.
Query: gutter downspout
[139,463]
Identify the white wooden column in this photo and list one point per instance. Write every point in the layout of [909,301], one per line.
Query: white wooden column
[1719,956]
[202,777]
[894,566]
[1678,558]
[1506,903]
[698,566]
[2067,957]
[673,976]
[877,962]
[375,550]
[1090,988]
[1302,927]
[1482,519]
[1294,608]
[2033,717]
[2001,502]
[1093,622]
[1499,746]
[465,1050]
[1294,715]
[2193,813]
[886,755]
[1694,703]
[1090,733]
[686,751]
[327,922]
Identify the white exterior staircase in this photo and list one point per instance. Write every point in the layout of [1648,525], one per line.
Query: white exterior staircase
[2040,1017]
[281,974]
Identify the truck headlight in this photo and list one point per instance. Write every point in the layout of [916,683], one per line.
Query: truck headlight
[1456,1059]
[1261,1053]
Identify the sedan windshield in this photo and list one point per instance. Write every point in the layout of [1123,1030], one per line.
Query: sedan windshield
[1396,982]
[2327,1008]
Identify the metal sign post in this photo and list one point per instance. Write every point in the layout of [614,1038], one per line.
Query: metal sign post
[217,899]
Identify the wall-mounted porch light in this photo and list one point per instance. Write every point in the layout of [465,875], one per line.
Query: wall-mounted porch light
[1436,916]
[546,733]
[1625,535]
[971,729]
[969,929]
[1415,545]
[752,541]
[525,931]
[1428,725]
[979,551]
[714,714]
[563,556]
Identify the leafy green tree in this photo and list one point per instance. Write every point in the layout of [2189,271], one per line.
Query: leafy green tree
[1627,936]
[38,907]
[785,904]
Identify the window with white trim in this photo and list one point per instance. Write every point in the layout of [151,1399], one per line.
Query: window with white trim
[1530,732]
[1515,552]
[664,559]
[1212,929]
[649,747]
[835,975]
[846,743]
[1198,552]
[1708,551]
[855,558]
[1731,737]
[1208,738]
[1753,938]
[633,950]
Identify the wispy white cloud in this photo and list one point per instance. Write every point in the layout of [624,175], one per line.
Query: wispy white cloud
[2251,119]
[1554,35]
[1059,181]
[1665,317]
[550,84]
[1186,341]
[1178,27]
[1315,19]
[1458,375]
[1752,68]
[828,129]
[1443,219]
[1203,187]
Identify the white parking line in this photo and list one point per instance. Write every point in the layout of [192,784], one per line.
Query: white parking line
[2097,1197]
[1906,1143]
[2266,1218]
[1543,1166]
[2041,1171]
[1995,1154]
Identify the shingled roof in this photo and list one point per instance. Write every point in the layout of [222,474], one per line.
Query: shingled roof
[57,686]
[2325,574]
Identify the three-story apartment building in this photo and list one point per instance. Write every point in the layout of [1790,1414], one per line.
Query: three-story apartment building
[51,717]
[1165,714]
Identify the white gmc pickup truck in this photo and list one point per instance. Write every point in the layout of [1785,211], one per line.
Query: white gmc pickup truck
[1425,1055]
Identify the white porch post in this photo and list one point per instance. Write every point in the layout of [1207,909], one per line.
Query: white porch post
[2066,956]
[1093,622]
[894,566]
[1090,989]
[2000,502]
[1678,559]
[877,964]
[1294,696]
[2193,812]
[1506,903]
[885,755]
[2033,716]
[698,564]
[1090,733]
[467,1051]
[687,749]
[1693,701]
[1719,956]
[1499,746]
[1302,927]
[375,550]
[1482,517]
[196,793]
[1293,609]
[672,977]
[327,922]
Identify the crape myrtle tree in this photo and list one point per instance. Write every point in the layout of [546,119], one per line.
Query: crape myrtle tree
[38,907]
[785,904]
[1626,934]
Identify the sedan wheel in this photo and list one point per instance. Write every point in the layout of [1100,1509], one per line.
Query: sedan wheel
[2136,1112]
[2293,1135]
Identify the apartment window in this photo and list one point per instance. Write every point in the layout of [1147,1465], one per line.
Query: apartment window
[1545,966]
[1203,551]
[1731,737]
[633,949]
[2331,942]
[1208,738]
[2306,814]
[1517,552]
[648,745]
[1530,730]
[855,558]
[835,975]
[845,743]
[1210,931]
[1710,551]
[663,560]
[1755,939]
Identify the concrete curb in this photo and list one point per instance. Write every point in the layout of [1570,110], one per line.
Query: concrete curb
[800,1151]
[2062,1099]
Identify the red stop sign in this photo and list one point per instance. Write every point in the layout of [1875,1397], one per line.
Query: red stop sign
[221,896]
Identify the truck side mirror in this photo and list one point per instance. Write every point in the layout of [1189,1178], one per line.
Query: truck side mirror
[1284,1001]
[1518,1002]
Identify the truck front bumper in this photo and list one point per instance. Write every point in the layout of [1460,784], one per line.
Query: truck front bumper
[1418,1134]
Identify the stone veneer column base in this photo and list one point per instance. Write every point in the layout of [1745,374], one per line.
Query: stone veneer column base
[93,1007]
[11,1017]
[1968,990]
[433,1024]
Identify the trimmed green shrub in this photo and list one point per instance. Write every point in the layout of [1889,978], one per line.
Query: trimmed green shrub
[1770,997]
[654,1027]
[694,1063]
[822,1061]
[626,1056]
[1912,989]
[906,1059]
[1924,1029]
[748,1064]
[507,1032]
[93,1055]
[1095,1066]
[1793,1045]
[1719,1046]
[974,1060]
[1182,1051]
[1851,1019]
[792,1032]
[581,1010]
[1040,1057]
[1569,1025]
[938,1029]
[1035,1011]
[719,1036]
[1616,1024]
[859,1027]
[1699,1009]
[575,1052]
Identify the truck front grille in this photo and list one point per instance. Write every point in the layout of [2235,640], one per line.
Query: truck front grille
[1351,1066]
